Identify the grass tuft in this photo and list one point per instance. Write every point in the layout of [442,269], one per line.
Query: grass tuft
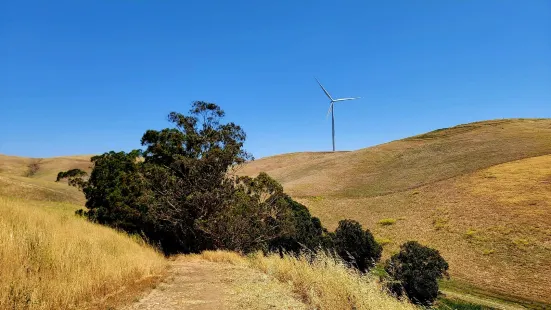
[387,222]
[383,241]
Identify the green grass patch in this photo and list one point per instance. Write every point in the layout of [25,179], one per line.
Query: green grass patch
[447,304]
[470,233]
[387,222]
[440,223]
[488,251]
[521,242]
[317,198]
[382,241]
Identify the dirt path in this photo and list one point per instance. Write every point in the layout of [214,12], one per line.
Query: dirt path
[198,284]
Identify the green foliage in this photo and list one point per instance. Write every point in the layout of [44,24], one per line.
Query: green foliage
[307,233]
[73,176]
[355,245]
[415,271]
[187,172]
[114,191]
[258,213]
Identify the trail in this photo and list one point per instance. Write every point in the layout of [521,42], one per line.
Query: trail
[200,285]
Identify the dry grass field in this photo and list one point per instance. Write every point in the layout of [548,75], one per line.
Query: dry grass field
[480,193]
[51,259]
[34,178]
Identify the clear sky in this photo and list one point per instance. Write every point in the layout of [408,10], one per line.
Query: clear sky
[84,77]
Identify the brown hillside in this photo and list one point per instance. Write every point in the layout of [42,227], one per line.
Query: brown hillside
[480,193]
[34,178]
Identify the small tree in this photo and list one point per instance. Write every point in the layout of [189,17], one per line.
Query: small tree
[355,245]
[415,271]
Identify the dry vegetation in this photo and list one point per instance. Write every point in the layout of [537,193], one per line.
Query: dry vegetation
[34,179]
[479,193]
[324,284]
[51,259]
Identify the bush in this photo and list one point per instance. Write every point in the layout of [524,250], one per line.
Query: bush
[307,233]
[415,271]
[356,246]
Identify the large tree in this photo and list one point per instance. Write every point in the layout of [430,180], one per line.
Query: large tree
[189,170]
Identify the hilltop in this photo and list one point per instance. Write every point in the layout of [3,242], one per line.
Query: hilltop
[479,192]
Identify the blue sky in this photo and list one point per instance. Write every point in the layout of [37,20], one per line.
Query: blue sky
[84,77]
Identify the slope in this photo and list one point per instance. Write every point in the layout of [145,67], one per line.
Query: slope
[34,178]
[477,192]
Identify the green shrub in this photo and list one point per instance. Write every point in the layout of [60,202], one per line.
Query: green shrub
[307,234]
[356,246]
[415,271]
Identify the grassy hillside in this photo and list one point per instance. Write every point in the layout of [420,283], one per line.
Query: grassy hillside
[51,259]
[477,192]
[34,178]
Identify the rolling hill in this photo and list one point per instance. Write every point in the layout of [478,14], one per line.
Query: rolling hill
[480,193]
[34,178]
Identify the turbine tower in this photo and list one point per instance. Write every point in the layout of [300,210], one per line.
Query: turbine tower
[331,109]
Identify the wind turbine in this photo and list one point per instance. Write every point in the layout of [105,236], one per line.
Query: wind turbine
[332,107]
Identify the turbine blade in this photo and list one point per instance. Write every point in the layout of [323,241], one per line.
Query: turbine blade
[329,111]
[324,90]
[344,99]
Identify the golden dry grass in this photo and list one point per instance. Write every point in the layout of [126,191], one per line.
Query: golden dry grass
[16,182]
[51,259]
[323,284]
[479,193]
[48,167]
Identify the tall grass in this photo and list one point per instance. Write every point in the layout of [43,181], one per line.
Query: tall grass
[53,260]
[325,283]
